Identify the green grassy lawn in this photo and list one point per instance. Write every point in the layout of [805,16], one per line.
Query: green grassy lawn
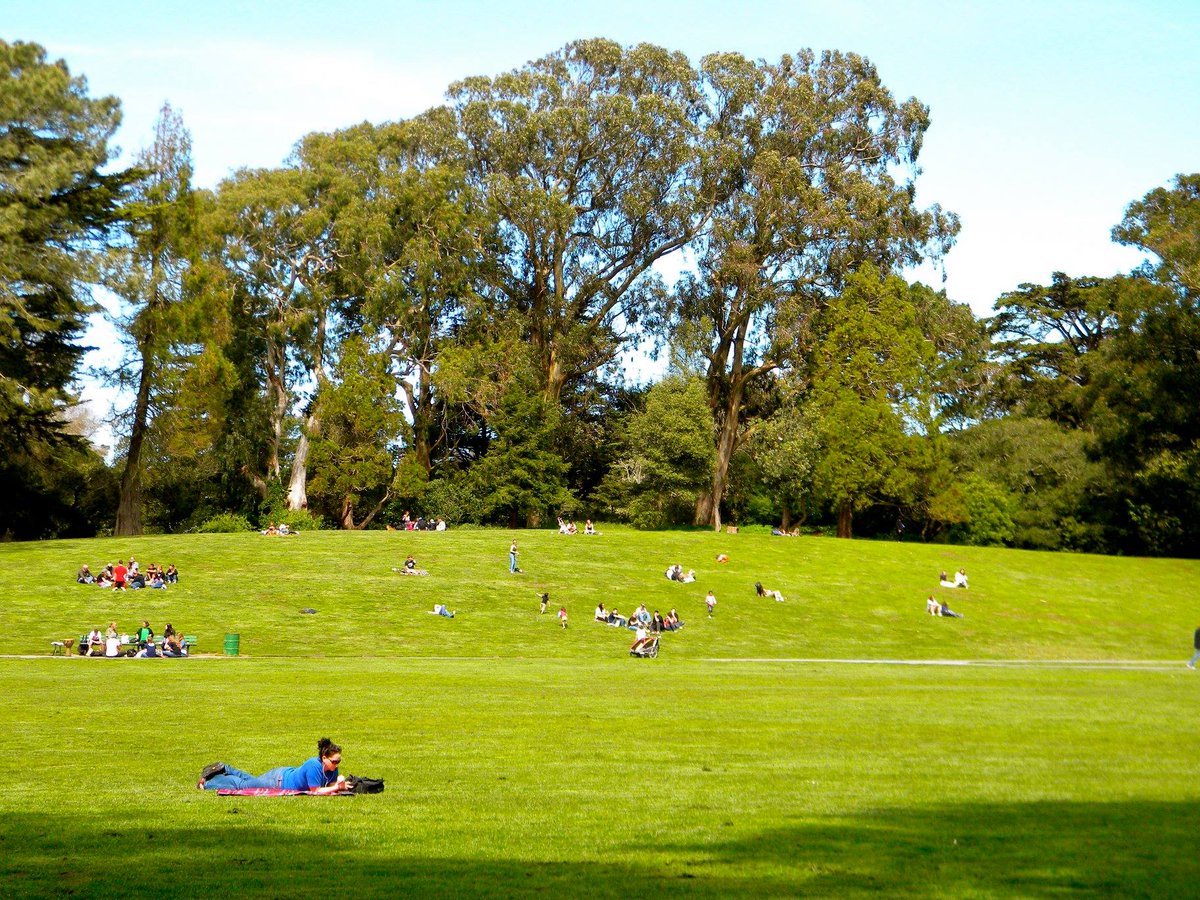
[523,759]
[844,598]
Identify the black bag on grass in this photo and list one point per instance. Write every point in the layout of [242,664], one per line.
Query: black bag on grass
[364,785]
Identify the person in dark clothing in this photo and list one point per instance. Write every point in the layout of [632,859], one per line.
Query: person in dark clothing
[1196,645]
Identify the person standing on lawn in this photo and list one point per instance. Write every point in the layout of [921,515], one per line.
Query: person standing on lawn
[1196,646]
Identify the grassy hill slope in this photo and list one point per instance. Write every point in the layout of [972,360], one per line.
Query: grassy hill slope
[844,598]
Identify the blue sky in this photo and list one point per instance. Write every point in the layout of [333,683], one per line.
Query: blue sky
[1048,117]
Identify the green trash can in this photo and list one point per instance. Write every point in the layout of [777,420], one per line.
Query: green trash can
[231,644]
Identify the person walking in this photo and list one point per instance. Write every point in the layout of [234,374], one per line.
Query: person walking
[711,602]
[1196,645]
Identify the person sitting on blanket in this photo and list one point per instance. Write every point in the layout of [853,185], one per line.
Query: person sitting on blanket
[410,567]
[945,581]
[318,775]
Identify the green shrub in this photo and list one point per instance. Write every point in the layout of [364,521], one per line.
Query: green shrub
[224,523]
[300,520]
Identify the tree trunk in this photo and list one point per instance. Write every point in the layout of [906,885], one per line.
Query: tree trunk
[298,485]
[708,506]
[129,506]
[276,373]
[845,520]
[786,520]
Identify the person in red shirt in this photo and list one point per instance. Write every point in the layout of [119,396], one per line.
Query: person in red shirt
[119,573]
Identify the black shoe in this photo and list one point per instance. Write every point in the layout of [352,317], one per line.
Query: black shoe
[211,770]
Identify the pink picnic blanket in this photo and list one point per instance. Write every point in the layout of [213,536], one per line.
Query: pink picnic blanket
[265,792]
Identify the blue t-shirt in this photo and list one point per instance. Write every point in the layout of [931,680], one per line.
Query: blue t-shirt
[309,774]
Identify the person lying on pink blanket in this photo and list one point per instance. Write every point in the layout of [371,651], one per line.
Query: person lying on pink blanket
[318,775]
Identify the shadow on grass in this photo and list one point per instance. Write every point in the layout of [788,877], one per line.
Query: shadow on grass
[1043,849]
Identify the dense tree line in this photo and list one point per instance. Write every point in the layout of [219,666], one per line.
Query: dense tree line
[437,315]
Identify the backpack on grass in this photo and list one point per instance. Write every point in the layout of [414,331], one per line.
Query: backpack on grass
[364,785]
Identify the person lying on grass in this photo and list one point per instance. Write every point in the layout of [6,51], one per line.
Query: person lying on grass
[439,609]
[935,608]
[777,596]
[317,775]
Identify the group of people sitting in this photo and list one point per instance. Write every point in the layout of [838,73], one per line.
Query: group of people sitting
[280,530]
[420,523]
[569,527]
[121,577]
[675,573]
[112,644]
[641,617]
[960,579]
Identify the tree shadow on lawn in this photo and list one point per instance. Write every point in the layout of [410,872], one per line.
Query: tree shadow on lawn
[1042,849]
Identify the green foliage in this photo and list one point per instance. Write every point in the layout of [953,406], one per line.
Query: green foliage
[353,461]
[224,523]
[1044,471]
[520,478]
[667,457]
[57,206]
[454,497]
[987,518]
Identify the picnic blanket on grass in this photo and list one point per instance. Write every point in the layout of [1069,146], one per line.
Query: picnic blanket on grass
[357,786]
[266,792]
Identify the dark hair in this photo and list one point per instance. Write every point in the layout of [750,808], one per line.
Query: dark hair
[326,748]
[758,588]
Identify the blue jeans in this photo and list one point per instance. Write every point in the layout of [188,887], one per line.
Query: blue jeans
[236,778]
[1195,656]
[512,562]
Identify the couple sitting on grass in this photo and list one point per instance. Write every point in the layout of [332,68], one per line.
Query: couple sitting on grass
[318,775]
[676,573]
[960,579]
[281,531]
